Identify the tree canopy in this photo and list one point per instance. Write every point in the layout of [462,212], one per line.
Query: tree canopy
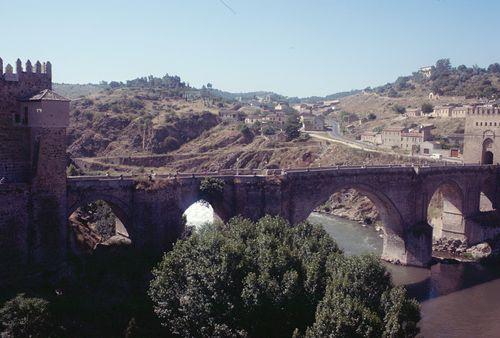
[25,317]
[270,279]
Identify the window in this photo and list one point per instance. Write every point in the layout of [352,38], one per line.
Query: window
[17,119]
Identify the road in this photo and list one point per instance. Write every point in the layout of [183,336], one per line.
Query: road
[335,135]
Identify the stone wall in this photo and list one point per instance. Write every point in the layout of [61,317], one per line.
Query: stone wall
[14,140]
[481,126]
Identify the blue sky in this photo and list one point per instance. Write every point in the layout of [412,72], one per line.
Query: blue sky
[296,48]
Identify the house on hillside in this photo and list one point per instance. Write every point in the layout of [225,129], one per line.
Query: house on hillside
[442,111]
[311,122]
[391,137]
[371,137]
[426,71]
[276,118]
[413,112]
[231,116]
[252,119]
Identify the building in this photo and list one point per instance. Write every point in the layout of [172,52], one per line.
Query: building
[408,140]
[277,118]
[252,119]
[461,111]
[33,121]
[371,137]
[413,112]
[429,147]
[426,71]
[231,116]
[481,138]
[442,111]
[311,122]
[391,137]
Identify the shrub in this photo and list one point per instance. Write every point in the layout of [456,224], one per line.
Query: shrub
[72,170]
[25,317]
[427,108]
[399,109]
[292,127]
[211,187]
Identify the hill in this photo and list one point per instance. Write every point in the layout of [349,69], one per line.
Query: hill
[446,80]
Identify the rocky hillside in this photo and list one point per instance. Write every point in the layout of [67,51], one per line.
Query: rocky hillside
[135,120]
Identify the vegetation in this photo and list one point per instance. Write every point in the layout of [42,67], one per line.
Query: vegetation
[25,317]
[446,80]
[427,108]
[399,109]
[211,187]
[270,279]
[99,216]
[292,127]
[72,170]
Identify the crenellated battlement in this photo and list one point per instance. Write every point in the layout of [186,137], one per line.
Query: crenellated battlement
[40,69]
[485,110]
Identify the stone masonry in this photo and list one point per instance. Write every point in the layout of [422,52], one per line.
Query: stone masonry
[36,197]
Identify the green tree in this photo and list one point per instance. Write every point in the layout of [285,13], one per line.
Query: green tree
[72,170]
[292,127]
[211,187]
[360,301]
[427,108]
[399,109]
[25,317]
[100,215]
[270,279]
[262,279]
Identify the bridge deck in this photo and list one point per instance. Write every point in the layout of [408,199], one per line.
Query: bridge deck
[282,172]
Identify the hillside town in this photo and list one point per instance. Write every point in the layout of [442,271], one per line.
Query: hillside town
[418,140]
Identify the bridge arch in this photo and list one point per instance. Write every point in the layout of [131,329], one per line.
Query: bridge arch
[487,151]
[445,210]
[394,246]
[119,208]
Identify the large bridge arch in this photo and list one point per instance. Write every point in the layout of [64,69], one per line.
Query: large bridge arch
[221,203]
[119,208]
[396,246]
[450,195]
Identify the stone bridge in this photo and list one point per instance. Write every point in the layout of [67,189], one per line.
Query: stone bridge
[151,210]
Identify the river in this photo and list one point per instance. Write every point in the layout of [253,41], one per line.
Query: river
[457,300]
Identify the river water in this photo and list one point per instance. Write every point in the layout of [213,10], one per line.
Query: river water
[457,300]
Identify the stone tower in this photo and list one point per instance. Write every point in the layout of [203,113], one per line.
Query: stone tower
[33,122]
[482,137]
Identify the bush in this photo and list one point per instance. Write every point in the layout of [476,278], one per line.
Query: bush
[211,187]
[360,301]
[268,130]
[72,170]
[292,127]
[25,317]
[268,279]
[427,108]
[399,109]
